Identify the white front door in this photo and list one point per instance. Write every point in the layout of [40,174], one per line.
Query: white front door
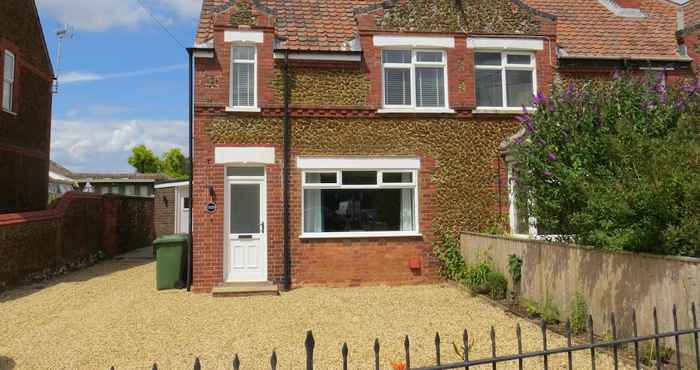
[246,232]
[183,209]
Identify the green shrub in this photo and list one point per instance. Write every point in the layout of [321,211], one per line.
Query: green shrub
[476,277]
[549,310]
[578,313]
[515,266]
[450,255]
[497,285]
[649,354]
[615,166]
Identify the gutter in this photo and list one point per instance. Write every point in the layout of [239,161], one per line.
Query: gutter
[285,179]
[190,52]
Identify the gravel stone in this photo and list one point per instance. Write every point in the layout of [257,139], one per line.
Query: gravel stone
[111,315]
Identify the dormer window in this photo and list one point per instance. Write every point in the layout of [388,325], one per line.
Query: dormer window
[414,79]
[243,78]
[504,79]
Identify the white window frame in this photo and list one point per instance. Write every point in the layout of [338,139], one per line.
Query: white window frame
[504,67]
[254,62]
[379,185]
[395,108]
[513,208]
[8,54]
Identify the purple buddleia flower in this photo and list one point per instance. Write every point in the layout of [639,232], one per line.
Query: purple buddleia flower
[520,140]
[552,156]
[523,118]
[693,88]
[541,142]
[616,74]
[569,93]
[547,174]
[539,99]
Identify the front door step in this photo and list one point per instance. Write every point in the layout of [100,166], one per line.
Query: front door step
[245,289]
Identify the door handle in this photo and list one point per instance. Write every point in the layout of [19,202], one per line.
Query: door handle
[262,227]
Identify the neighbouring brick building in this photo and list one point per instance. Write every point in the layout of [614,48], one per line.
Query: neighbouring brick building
[172,207]
[25,114]
[395,115]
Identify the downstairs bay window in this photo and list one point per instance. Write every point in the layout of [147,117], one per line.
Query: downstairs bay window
[359,203]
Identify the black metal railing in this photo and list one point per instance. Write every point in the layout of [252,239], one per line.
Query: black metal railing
[592,345]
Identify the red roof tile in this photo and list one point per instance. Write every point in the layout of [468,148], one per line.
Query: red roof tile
[587,28]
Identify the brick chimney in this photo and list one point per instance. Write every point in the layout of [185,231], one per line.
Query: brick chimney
[629,4]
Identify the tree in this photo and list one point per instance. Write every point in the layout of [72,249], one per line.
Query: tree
[615,165]
[175,164]
[143,160]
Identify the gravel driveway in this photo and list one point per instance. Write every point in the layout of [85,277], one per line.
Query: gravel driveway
[110,314]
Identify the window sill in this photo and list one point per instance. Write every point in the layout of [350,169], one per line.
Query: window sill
[9,112]
[415,110]
[243,109]
[354,235]
[496,110]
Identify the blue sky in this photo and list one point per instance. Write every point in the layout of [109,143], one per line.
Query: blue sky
[123,79]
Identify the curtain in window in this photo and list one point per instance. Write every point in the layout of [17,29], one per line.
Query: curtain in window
[489,90]
[407,210]
[430,87]
[519,88]
[397,86]
[313,212]
[243,93]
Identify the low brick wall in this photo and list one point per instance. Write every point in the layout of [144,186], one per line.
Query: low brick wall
[610,281]
[74,227]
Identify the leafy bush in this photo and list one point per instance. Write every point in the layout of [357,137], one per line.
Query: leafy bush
[578,313]
[452,263]
[649,354]
[497,285]
[476,276]
[515,266]
[547,310]
[615,166]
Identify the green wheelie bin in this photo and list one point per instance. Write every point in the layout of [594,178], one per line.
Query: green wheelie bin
[171,254]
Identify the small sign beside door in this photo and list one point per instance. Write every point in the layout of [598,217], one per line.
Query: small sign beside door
[211,207]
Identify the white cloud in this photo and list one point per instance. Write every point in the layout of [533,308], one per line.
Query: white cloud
[100,15]
[76,76]
[103,145]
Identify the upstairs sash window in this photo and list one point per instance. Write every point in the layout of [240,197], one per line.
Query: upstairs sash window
[8,80]
[414,79]
[504,79]
[243,76]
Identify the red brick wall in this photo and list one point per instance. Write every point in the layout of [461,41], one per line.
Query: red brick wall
[76,226]
[25,138]
[165,206]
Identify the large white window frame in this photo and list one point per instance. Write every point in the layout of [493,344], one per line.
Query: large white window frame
[380,184]
[395,108]
[8,80]
[254,62]
[504,67]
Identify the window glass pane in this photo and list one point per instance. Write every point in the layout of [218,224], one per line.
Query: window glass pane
[129,190]
[518,59]
[245,209]
[396,56]
[9,69]
[6,95]
[347,210]
[519,88]
[487,59]
[397,177]
[359,177]
[243,92]
[245,171]
[430,87]
[397,86]
[246,53]
[489,89]
[429,56]
[321,178]
[186,203]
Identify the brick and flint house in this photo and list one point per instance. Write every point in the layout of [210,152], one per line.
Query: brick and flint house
[338,142]
[25,110]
